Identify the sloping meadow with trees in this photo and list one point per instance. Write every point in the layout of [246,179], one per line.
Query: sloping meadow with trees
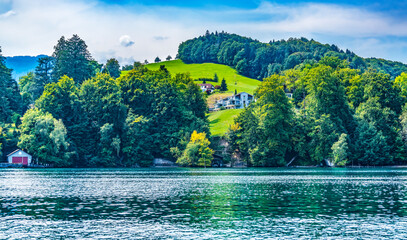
[80,113]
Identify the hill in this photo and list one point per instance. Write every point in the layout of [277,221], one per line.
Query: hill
[258,60]
[21,65]
[207,70]
[218,121]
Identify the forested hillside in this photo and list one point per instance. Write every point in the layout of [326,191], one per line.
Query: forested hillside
[259,60]
[77,112]
[337,114]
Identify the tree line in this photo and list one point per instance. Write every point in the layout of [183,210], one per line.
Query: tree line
[261,60]
[337,113]
[77,112]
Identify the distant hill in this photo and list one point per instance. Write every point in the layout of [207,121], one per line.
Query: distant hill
[21,65]
[258,60]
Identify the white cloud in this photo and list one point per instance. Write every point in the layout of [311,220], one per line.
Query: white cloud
[126,41]
[7,14]
[159,30]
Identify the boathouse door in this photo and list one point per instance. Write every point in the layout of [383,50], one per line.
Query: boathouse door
[17,159]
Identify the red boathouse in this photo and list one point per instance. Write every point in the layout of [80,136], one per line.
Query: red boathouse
[19,157]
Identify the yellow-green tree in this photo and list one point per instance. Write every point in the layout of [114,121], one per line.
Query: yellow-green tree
[401,83]
[197,152]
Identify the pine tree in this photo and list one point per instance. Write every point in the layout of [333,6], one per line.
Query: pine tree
[73,59]
[223,85]
[113,68]
[216,78]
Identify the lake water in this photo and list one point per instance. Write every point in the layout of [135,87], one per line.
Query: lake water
[203,203]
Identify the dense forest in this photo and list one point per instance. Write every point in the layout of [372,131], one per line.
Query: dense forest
[77,112]
[260,60]
[337,114]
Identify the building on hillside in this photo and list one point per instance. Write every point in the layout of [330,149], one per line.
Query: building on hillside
[207,87]
[19,157]
[240,100]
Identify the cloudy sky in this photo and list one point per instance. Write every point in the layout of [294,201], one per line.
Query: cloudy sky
[134,30]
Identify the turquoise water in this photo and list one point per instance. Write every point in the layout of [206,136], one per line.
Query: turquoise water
[203,203]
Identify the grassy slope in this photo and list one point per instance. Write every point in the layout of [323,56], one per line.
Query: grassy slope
[207,70]
[220,121]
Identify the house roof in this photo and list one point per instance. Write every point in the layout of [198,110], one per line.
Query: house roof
[243,92]
[206,85]
[15,152]
[226,98]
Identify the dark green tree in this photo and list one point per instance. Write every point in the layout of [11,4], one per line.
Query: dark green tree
[10,98]
[73,59]
[157,60]
[264,138]
[113,68]
[215,78]
[43,74]
[223,85]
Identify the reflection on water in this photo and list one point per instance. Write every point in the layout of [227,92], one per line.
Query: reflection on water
[200,203]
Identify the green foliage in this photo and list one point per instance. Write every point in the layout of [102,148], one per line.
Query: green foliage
[197,152]
[380,86]
[157,60]
[32,85]
[45,138]
[401,83]
[340,114]
[164,112]
[61,100]
[382,128]
[113,68]
[223,86]
[216,78]
[323,132]
[10,98]
[340,151]
[265,128]
[259,60]
[72,59]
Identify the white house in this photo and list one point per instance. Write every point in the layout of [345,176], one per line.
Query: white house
[240,100]
[19,157]
[207,87]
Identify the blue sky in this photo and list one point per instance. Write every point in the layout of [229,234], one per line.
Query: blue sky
[134,30]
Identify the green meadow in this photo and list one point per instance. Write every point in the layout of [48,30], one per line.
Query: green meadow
[207,70]
[220,121]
